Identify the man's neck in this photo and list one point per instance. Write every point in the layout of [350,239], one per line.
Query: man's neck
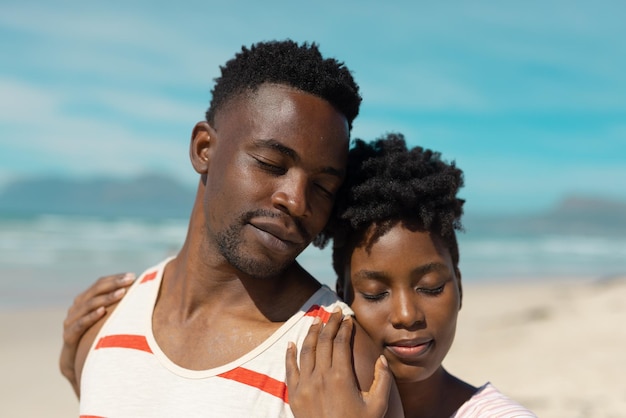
[207,318]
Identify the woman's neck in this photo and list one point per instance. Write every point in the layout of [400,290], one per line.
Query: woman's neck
[439,396]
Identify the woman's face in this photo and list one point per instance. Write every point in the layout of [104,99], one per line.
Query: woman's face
[406,293]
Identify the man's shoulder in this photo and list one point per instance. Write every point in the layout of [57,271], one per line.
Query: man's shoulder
[326,298]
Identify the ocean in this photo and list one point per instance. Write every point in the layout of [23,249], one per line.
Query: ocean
[47,260]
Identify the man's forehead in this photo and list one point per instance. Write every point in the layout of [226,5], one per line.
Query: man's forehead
[279,103]
[265,94]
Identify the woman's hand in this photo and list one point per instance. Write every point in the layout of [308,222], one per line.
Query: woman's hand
[87,309]
[325,385]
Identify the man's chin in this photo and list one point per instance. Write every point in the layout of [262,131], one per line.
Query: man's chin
[261,268]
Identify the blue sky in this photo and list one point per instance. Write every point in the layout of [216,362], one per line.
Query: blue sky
[529,98]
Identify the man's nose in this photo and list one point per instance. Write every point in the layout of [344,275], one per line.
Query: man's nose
[291,196]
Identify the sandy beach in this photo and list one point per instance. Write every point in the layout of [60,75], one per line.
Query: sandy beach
[555,346]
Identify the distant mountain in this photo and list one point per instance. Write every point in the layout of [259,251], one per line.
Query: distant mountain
[157,196]
[581,204]
[147,196]
[579,215]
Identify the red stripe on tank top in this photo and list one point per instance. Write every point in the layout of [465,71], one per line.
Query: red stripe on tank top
[320,312]
[148,276]
[135,342]
[258,380]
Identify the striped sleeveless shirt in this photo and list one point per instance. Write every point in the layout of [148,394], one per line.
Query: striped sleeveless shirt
[490,402]
[127,375]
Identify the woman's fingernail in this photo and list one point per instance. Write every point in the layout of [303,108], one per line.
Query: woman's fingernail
[127,278]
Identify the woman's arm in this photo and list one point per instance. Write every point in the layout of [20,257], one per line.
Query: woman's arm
[88,308]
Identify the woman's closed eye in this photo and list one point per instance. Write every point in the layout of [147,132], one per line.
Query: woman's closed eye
[373,297]
[431,291]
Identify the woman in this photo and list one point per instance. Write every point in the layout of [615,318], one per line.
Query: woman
[396,257]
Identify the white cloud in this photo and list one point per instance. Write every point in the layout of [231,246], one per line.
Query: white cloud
[423,89]
[107,25]
[39,136]
[122,60]
[22,102]
[150,107]
[111,43]
[530,56]
[84,146]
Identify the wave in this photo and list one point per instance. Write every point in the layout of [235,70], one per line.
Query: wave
[47,253]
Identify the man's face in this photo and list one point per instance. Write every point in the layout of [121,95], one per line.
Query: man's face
[277,160]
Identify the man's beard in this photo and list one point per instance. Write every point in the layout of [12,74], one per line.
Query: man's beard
[229,243]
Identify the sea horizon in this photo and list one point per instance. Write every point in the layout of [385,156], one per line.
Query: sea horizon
[46,260]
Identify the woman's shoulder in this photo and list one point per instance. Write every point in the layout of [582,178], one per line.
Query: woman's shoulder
[488,401]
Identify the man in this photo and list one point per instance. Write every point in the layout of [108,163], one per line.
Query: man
[205,333]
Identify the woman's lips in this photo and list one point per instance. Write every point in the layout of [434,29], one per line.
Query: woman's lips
[409,349]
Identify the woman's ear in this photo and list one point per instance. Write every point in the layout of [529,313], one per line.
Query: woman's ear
[202,143]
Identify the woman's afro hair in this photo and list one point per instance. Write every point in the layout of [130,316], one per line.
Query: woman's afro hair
[387,183]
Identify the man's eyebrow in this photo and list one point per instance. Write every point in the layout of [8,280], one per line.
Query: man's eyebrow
[290,153]
[275,145]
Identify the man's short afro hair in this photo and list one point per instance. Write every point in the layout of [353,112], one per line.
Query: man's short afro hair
[285,62]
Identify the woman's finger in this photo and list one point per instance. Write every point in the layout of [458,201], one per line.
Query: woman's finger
[309,348]
[326,340]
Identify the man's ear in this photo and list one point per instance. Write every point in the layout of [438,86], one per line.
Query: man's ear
[202,143]
[460,286]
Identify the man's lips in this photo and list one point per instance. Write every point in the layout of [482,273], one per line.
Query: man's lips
[284,233]
[410,349]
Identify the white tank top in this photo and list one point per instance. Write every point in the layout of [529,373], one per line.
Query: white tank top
[127,375]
